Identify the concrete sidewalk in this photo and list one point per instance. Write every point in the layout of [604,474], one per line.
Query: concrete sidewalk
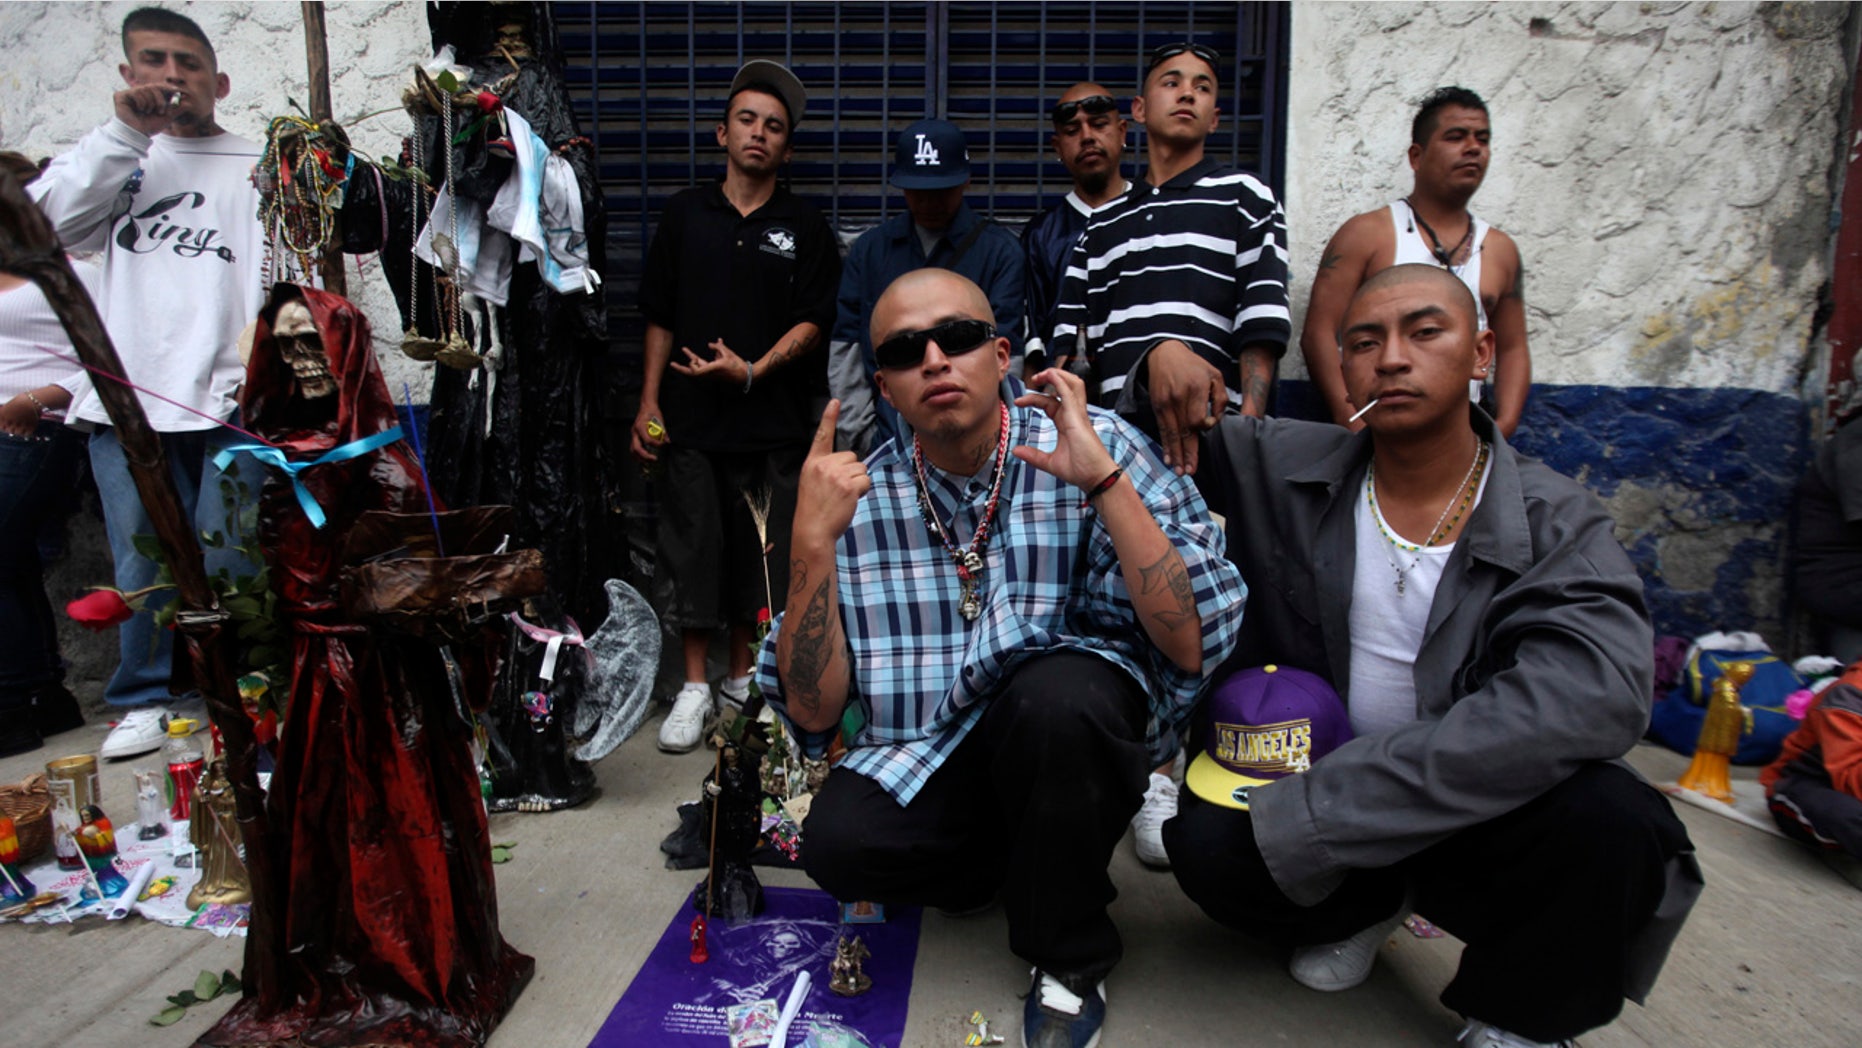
[1771,956]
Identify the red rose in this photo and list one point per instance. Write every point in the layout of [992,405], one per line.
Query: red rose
[100,609]
[762,616]
[266,729]
[489,103]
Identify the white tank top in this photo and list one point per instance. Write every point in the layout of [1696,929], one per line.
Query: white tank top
[1412,245]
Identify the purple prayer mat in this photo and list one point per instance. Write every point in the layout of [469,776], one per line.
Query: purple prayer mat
[674,1002]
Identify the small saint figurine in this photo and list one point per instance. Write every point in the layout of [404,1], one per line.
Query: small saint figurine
[151,809]
[96,839]
[733,889]
[14,887]
[1726,720]
[846,976]
[223,874]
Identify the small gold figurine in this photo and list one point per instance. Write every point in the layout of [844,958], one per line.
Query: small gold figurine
[212,830]
[846,977]
[1726,721]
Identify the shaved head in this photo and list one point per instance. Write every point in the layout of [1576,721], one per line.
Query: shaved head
[1459,298]
[955,294]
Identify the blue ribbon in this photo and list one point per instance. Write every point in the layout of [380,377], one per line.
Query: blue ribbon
[275,457]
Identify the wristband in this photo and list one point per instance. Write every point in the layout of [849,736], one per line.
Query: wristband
[40,404]
[749,374]
[1102,487]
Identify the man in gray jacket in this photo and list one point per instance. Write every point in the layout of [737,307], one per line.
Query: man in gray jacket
[1489,638]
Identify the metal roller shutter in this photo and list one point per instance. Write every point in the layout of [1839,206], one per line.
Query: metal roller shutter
[649,79]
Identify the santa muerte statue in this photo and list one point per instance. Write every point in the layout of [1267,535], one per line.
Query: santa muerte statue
[385,911]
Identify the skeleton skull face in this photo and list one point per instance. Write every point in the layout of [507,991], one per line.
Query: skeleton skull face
[295,334]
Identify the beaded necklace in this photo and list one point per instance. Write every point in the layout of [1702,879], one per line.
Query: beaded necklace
[969,561]
[1459,503]
[1444,255]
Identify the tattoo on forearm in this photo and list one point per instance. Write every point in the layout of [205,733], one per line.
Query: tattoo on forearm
[808,652]
[1168,574]
[798,575]
[1257,378]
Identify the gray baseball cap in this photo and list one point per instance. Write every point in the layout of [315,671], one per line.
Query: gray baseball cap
[763,72]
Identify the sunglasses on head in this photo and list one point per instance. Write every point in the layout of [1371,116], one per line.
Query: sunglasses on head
[953,337]
[1091,105]
[1170,51]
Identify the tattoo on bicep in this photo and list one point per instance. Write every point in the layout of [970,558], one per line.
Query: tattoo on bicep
[1168,574]
[1331,260]
[809,651]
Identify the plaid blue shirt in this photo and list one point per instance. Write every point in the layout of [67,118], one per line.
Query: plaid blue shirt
[1051,582]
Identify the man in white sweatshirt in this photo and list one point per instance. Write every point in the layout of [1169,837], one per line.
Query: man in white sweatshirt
[165,195]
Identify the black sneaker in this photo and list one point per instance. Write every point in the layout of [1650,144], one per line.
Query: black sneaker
[1056,1017]
[55,710]
[17,735]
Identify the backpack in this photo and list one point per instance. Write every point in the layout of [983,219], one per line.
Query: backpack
[1676,719]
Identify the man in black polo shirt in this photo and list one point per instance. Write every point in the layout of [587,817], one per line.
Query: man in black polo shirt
[739,288]
[1197,255]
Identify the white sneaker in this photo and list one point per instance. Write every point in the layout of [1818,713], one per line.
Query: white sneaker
[684,727]
[1477,1034]
[735,690]
[1147,827]
[140,730]
[1331,967]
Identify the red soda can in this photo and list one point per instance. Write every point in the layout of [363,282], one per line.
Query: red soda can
[182,778]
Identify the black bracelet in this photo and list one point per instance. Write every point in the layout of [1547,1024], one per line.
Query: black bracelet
[1102,487]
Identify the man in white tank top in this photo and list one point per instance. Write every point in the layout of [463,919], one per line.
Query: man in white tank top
[1488,636]
[1449,150]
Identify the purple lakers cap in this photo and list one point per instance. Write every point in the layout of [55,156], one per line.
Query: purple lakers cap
[1261,725]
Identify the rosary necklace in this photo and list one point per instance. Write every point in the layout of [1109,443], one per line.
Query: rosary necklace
[1446,256]
[1458,502]
[969,561]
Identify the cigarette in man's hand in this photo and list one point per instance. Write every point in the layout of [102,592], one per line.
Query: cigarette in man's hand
[1362,412]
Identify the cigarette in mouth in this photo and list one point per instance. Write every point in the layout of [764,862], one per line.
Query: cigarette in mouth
[174,98]
[1362,411]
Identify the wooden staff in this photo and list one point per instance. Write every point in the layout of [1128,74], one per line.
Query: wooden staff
[322,112]
[29,248]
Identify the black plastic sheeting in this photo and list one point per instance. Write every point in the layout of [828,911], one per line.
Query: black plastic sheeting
[541,453]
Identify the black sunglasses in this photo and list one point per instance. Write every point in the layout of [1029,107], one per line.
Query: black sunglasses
[1169,51]
[1091,105]
[954,338]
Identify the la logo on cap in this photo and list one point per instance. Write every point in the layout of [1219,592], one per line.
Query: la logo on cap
[927,153]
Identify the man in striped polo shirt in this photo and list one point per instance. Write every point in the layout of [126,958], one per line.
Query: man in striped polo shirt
[1197,255]
[1194,256]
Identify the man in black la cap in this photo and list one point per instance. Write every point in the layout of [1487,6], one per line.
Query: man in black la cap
[932,168]
[738,292]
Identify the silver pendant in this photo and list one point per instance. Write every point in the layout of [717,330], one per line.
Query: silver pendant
[1399,576]
[971,561]
[969,607]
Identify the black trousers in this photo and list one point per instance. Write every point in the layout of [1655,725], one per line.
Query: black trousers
[1030,805]
[1816,814]
[1547,897]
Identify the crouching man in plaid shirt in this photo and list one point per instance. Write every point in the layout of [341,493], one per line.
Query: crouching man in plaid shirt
[990,615]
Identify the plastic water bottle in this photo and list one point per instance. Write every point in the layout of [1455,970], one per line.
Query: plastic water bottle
[185,763]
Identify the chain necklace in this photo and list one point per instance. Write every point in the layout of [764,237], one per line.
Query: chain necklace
[1446,256]
[969,561]
[1444,524]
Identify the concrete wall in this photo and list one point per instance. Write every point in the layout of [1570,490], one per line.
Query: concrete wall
[1666,169]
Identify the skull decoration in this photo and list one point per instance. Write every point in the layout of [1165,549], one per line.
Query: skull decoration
[295,334]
